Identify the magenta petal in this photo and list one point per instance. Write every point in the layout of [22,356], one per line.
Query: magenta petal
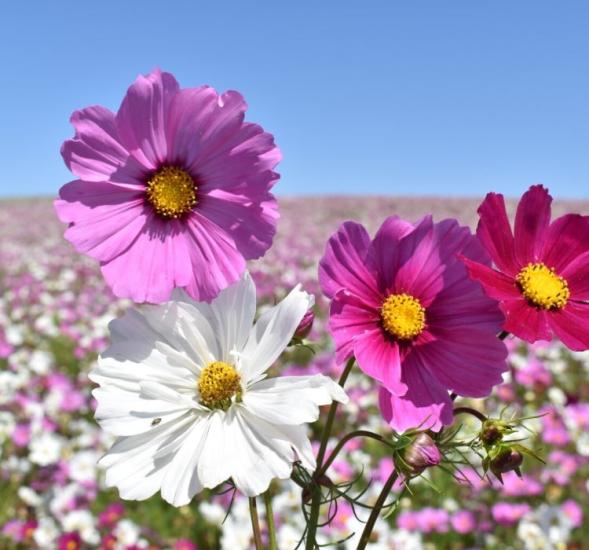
[430,255]
[385,249]
[465,360]
[495,233]
[252,225]
[104,218]
[525,321]
[156,263]
[531,224]
[143,116]
[379,358]
[496,284]
[349,317]
[576,275]
[568,238]
[344,264]
[571,325]
[426,405]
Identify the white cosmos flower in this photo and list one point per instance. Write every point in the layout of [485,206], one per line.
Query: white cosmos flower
[183,386]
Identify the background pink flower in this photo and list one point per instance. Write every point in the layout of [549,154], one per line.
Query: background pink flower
[173,189]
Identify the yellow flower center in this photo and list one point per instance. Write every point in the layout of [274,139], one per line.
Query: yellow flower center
[171,191]
[217,384]
[402,316]
[541,286]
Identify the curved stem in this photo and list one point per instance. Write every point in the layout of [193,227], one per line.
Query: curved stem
[343,441]
[270,521]
[255,523]
[316,498]
[376,511]
[473,412]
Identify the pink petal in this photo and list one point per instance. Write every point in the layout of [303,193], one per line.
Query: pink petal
[104,218]
[571,325]
[568,238]
[95,152]
[344,265]
[525,321]
[531,224]
[426,405]
[379,357]
[496,284]
[494,232]
[156,263]
[215,261]
[464,359]
[251,224]
[143,117]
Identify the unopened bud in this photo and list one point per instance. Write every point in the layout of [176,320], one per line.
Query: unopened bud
[506,460]
[305,326]
[420,454]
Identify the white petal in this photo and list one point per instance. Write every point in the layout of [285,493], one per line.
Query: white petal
[273,331]
[292,399]
[181,481]
[230,315]
[260,454]
[133,465]
[214,465]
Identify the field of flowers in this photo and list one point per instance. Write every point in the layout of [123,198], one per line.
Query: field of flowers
[54,313]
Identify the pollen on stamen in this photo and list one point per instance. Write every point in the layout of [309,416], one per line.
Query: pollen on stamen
[219,382]
[403,316]
[171,192]
[543,287]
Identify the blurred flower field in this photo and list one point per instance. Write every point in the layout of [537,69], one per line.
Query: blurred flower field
[54,313]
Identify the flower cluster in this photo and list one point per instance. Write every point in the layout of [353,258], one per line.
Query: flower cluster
[205,390]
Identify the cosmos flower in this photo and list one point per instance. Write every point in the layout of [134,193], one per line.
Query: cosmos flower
[403,305]
[173,189]
[541,278]
[184,386]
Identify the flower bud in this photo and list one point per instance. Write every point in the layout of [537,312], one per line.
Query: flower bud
[305,326]
[505,460]
[420,454]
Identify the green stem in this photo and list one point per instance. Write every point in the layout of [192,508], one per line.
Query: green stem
[270,520]
[255,523]
[316,499]
[471,411]
[364,539]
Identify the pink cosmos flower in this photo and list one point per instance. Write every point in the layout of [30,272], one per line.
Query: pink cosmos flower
[541,278]
[403,305]
[173,189]
[463,522]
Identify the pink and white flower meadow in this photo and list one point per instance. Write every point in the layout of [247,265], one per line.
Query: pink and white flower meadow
[54,312]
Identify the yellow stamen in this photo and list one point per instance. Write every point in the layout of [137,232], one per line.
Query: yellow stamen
[541,286]
[217,384]
[171,191]
[403,316]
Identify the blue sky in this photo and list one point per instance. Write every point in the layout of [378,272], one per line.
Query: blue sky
[384,97]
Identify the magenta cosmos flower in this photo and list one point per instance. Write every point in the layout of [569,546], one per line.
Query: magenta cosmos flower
[404,306]
[173,189]
[541,278]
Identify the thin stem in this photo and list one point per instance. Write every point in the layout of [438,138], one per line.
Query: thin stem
[316,499]
[473,412]
[270,521]
[364,539]
[255,523]
[342,442]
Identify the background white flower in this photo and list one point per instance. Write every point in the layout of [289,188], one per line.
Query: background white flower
[184,388]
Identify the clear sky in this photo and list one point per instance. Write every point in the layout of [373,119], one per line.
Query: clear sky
[385,97]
